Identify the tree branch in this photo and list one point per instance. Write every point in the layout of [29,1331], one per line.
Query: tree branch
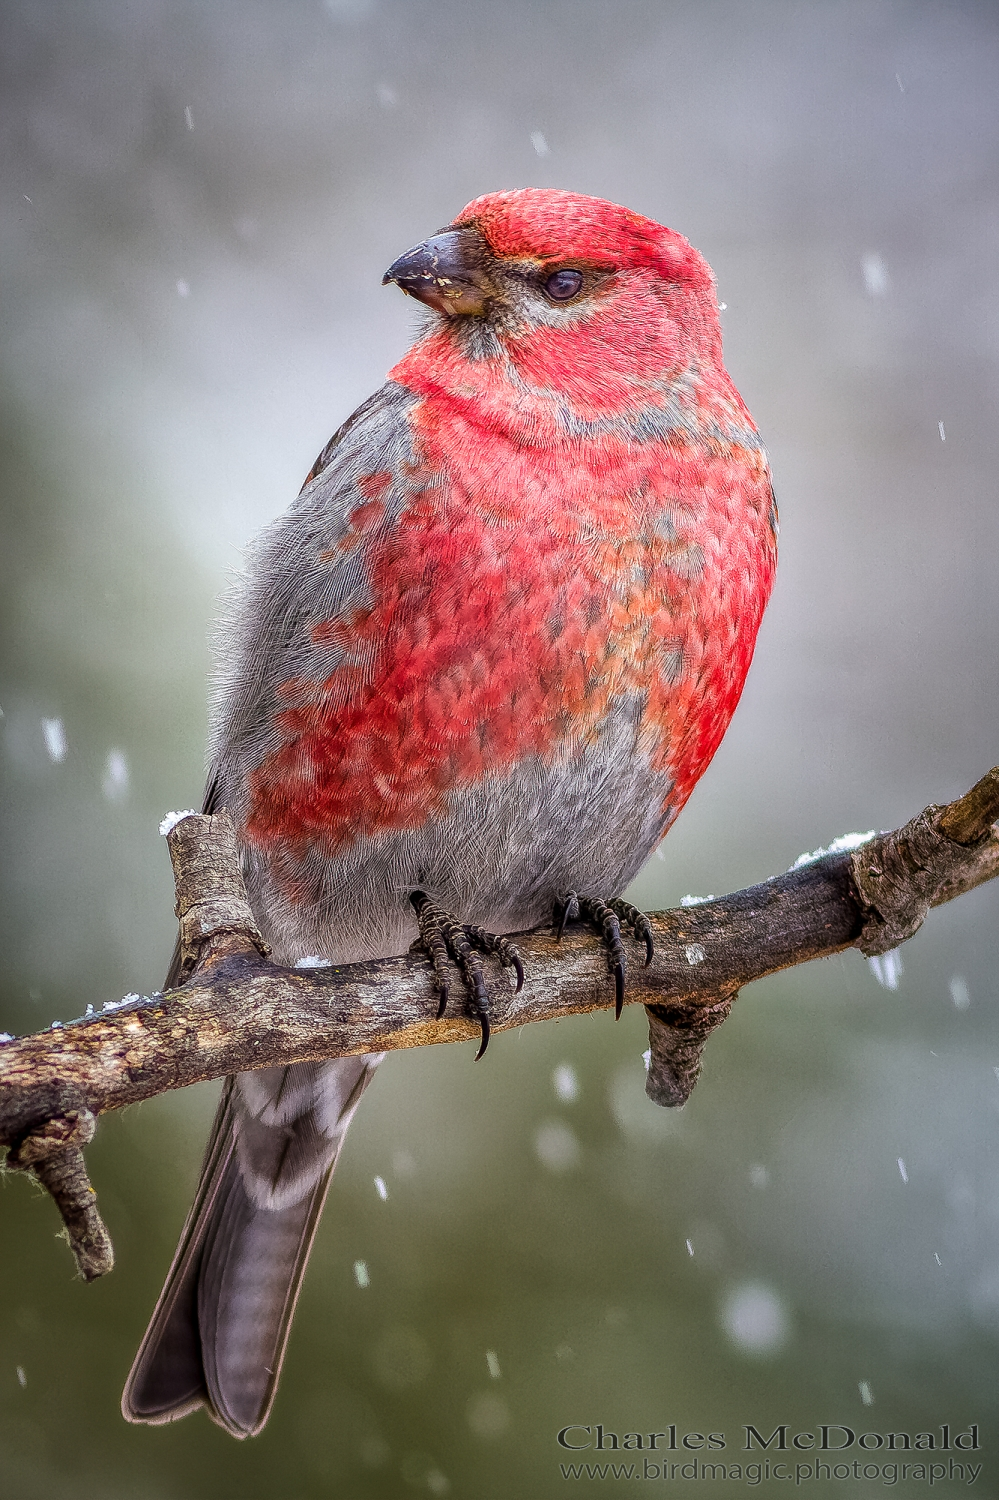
[238,1011]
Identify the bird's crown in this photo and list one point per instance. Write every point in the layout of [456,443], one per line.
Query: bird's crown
[548,223]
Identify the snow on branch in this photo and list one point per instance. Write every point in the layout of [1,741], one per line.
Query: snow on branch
[238,1011]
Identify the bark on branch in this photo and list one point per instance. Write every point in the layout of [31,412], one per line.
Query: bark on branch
[238,1011]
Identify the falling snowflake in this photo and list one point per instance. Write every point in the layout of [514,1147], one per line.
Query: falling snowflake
[54,734]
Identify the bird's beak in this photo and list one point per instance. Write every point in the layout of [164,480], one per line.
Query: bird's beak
[447,273]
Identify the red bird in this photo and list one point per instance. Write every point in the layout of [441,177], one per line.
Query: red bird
[474,674]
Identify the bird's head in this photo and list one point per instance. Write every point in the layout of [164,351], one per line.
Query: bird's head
[551,278]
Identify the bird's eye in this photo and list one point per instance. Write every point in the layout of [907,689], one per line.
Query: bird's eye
[562,286]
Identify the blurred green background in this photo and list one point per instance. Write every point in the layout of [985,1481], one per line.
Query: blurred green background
[199,200]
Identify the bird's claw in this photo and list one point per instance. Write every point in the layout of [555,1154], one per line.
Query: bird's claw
[639,924]
[606,917]
[491,942]
[441,936]
[566,910]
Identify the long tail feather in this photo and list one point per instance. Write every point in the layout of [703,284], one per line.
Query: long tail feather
[218,1333]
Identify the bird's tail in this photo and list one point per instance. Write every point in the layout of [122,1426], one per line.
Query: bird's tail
[218,1332]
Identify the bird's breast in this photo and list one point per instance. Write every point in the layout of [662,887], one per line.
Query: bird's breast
[518,600]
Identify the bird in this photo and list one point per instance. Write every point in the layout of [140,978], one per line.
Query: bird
[466,684]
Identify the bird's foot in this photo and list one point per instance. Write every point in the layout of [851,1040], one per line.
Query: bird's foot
[606,917]
[443,936]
